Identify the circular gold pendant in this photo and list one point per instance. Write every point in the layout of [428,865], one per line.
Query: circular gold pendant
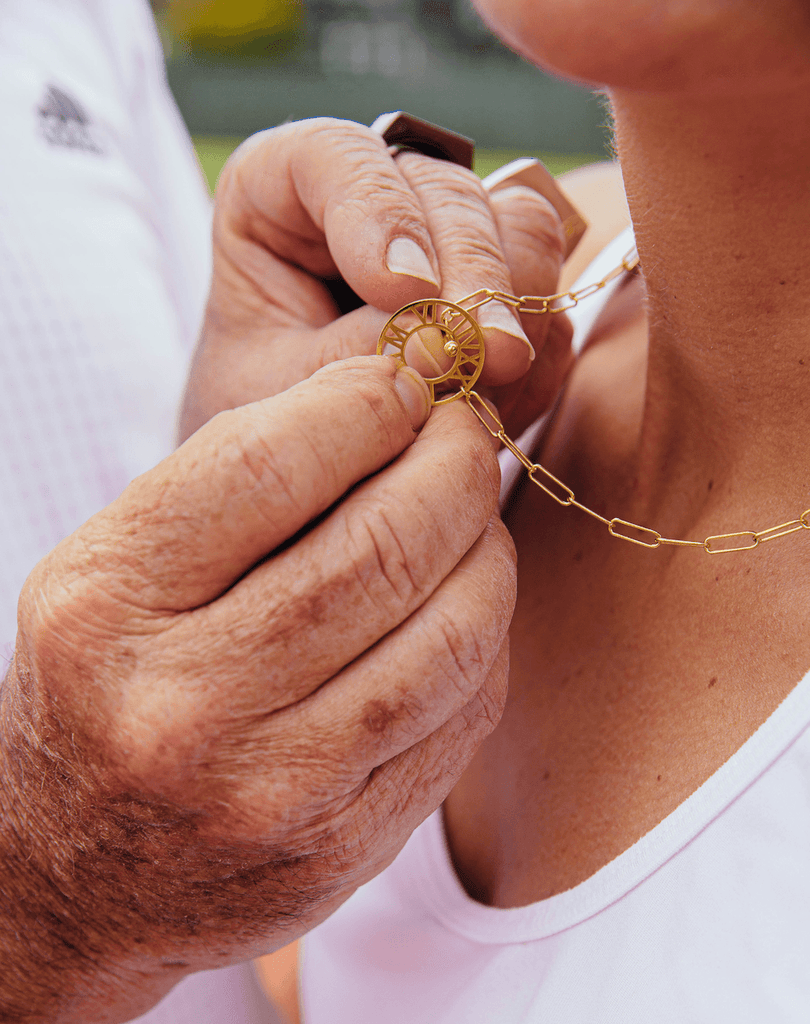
[460,339]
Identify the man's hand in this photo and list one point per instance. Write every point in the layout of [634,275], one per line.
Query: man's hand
[311,213]
[239,688]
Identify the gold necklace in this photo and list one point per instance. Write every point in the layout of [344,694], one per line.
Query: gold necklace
[464,343]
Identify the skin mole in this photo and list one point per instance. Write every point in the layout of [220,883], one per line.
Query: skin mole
[381,715]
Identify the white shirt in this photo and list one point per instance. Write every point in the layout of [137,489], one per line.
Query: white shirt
[104,265]
[705,920]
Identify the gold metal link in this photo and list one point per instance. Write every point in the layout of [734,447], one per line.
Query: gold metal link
[653,537]
[564,307]
[673,542]
[588,290]
[541,304]
[488,417]
[510,300]
[487,296]
[724,549]
[485,293]
[520,455]
[633,533]
[569,494]
[782,530]
[590,512]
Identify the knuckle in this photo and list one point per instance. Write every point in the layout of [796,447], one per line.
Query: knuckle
[442,174]
[466,236]
[485,710]
[269,477]
[474,463]
[345,140]
[446,184]
[480,254]
[482,480]
[366,387]
[385,567]
[467,183]
[379,196]
[369,180]
[377,188]
[500,540]
[462,219]
[465,651]
[522,211]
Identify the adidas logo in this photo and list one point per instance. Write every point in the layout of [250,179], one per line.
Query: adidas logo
[65,123]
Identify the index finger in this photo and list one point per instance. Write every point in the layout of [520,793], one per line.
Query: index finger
[183,533]
[325,196]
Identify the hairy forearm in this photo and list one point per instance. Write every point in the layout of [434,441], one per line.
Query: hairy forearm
[55,865]
[180,789]
[108,898]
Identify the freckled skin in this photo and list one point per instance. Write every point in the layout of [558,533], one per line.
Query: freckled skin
[381,716]
[197,754]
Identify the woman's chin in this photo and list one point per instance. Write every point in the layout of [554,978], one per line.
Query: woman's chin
[706,47]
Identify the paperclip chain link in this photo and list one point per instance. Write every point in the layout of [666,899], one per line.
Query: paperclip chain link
[643,536]
[541,304]
[634,533]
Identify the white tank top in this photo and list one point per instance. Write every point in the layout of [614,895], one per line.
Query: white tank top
[705,920]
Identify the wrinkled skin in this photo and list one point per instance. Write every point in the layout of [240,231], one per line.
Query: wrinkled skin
[239,688]
[305,204]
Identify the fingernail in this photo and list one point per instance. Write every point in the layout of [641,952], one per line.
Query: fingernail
[404,256]
[415,395]
[499,317]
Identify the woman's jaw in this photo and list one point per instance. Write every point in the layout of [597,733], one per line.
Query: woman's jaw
[707,47]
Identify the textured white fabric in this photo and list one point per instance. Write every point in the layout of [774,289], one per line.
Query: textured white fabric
[104,257]
[104,264]
[705,920]
[228,996]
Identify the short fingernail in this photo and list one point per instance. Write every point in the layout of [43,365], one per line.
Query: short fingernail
[404,256]
[415,395]
[499,317]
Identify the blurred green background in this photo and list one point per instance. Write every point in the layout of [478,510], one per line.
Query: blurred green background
[214,150]
[238,66]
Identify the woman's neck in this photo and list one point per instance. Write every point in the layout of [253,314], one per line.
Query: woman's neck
[720,199]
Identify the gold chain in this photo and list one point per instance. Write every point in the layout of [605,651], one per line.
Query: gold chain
[561,302]
[642,535]
[465,345]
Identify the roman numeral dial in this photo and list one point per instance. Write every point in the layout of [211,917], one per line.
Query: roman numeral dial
[448,327]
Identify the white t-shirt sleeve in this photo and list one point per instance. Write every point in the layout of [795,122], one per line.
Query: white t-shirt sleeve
[104,265]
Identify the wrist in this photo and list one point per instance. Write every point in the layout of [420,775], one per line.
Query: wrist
[110,896]
[56,944]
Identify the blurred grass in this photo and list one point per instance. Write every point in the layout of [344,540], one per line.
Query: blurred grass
[214,150]
[489,160]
